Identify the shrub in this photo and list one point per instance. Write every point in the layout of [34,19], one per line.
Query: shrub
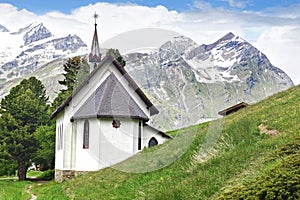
[47,175]
[7,168]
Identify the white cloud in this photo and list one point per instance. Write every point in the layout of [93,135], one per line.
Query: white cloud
[237,3]
[11,17]
[204,24]
[281,45]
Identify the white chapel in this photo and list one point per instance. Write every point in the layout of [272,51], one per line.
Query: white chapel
[104,121]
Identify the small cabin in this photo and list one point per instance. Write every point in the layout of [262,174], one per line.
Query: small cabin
[233,109]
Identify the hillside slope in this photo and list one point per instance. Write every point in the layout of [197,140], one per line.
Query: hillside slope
[208,161]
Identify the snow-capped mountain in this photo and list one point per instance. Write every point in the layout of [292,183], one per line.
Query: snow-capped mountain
[191,83]
[33,46]
[3,29]
[187,82]
[225,59]
[34,32]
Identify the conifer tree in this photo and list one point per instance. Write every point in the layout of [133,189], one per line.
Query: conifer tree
[45,154]
[23,110]
[71,67]
[115,53]
[76,69]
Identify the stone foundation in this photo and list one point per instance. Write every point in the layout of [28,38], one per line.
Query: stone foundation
[62,175]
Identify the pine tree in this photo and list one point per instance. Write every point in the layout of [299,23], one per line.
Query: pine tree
[77,69]
[45,155]
[71,68]
[23,110]
[115,53]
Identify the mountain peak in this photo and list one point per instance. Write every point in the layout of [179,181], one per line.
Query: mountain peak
[228,36]
[26,28]
[35,32]
[3,29]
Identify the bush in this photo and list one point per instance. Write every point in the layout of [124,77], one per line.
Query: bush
[47,175]
[7,168]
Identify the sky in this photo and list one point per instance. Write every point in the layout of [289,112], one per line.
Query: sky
[41,7]
[272,26]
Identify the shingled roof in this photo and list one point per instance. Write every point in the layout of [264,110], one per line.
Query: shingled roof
[110,100]
[132,83]
[233,109]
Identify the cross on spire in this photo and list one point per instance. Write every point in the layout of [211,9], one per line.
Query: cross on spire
[95,16]
[95,55]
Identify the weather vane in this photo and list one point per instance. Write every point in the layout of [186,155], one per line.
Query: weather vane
[96,17]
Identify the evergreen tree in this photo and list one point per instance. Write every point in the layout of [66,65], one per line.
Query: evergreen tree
[83,71]
[71,67]
[22,111]
[115,53]
[45,154]
[77,69]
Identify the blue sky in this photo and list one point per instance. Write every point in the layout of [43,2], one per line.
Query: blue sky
[43,6]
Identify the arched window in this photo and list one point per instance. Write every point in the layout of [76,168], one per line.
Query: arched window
[86,134]
[152,142]
[60,137]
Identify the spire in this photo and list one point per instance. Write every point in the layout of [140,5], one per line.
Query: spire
[95,55]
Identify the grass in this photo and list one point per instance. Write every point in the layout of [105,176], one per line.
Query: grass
[236,155]
[13,190]
[16,190]
[49,191]
[281,181]
[33,173]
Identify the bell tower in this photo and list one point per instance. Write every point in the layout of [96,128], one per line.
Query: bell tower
[95,55]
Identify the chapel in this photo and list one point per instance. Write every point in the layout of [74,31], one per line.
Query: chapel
[104,121]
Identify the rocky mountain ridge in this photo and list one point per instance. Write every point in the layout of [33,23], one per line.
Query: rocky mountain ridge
[188,83]
[3,29]
[34,45]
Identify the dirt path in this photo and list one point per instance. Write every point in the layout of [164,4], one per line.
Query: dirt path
[9,178]
[28,190]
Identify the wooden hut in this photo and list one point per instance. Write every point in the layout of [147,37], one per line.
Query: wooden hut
[233,109]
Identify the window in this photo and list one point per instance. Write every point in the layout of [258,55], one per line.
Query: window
[152,142]
[60,137]
[86,134]
[140,136]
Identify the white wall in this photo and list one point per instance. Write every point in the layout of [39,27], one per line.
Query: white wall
[107,145]
[149,133]
[117,144]
[59,153]
[87,159]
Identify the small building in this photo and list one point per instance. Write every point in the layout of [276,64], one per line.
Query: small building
[233,109]
[104,121]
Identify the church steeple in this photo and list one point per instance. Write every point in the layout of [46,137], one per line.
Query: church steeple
[95,55]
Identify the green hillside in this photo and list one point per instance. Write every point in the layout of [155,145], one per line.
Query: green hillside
[226,159]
